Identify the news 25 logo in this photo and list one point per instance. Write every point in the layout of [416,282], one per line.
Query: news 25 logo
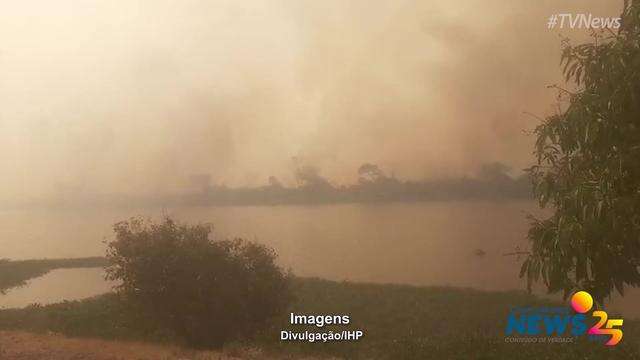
[560,321]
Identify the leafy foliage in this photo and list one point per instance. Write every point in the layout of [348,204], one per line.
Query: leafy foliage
[588,170]
[205,291]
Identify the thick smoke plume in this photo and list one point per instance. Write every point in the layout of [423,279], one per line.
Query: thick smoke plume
[105,97]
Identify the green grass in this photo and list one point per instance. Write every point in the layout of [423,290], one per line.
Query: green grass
[400,322]
[16,273]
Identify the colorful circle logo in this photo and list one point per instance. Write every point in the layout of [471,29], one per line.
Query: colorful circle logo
[581,302]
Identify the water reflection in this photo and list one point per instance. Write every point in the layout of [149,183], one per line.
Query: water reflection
[57,286]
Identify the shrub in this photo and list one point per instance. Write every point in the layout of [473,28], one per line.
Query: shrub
[205,291]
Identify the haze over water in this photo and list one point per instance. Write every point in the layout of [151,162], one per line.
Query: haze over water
[430,243]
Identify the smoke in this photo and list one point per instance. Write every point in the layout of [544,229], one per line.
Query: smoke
[138,97]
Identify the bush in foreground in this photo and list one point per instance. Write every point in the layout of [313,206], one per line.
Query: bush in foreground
[205,291]
[400,322]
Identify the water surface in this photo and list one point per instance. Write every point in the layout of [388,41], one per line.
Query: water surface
[429,243]
[57,286]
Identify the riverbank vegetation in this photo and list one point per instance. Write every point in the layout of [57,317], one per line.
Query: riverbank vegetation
[175,277]
[493,181]
[588,170]
[399,322]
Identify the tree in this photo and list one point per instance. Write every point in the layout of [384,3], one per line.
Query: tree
[309,176]
[370,173]
[275,183]
[205,291]
[588,170]
[495,171]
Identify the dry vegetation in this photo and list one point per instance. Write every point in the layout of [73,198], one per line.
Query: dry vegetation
[28,346]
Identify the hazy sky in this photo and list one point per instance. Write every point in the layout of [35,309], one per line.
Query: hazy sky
[108,96]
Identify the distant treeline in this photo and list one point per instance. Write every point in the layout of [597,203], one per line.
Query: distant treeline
[492,182]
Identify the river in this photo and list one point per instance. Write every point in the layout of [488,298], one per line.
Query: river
[427,243]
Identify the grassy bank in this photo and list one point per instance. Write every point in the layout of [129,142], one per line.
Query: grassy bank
[400,322]
[19,345]
[16,273]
